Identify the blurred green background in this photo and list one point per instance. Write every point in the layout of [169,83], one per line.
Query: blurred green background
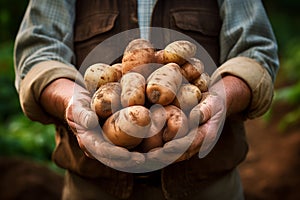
[22,137]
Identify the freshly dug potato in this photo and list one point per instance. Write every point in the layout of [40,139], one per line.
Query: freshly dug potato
[106,100]
[176,125]
[179,51]
[139,52]
[133,89]
[187,97]
[152,142]
[118,67]
[192,69]
[203,82]
[128,126]
[154,137]
[163,83]
[159,57]
[99,74]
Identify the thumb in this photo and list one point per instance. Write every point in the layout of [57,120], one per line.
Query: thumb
[200,114]
[81,115]
[89,119]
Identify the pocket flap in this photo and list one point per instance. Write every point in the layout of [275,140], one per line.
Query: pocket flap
[198,20]
[93,25]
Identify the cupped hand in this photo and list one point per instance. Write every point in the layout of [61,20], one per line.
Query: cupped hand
[84,124]
[206,122]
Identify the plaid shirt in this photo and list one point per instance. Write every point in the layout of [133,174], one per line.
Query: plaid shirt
[145,8]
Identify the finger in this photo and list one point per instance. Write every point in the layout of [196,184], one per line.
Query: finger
[200,114]
[108,150]
[99,147]
[159,158]
[182,144]
[196,137]
[80,115]
[130,165]
[78,111]
[212,131]
[89,119]
[83,148]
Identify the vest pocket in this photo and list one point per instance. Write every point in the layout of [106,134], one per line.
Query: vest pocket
[91,31]
[200,24]
[197,20]
[93,25]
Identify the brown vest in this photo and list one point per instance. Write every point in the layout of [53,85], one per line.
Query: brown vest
[97,20]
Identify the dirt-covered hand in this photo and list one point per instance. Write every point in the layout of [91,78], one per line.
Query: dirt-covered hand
[206,123]
[84,123]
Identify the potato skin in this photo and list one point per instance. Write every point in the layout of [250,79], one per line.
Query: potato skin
[154,137]
[179,51]
[152,142]
[138,52]
[128,126]
[202,82]
[118,67]
[163,83]
[192,69]
[99,74]
[177,123]
[187,97]
[106,100]
[133,89]
[159,57]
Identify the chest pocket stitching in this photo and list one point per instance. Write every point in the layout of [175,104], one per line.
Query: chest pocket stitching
[94,24]
[198,20]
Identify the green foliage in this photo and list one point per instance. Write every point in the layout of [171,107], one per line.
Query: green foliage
[9,104]
[26,138]
[289,93]
[284,16]
[291,60]
[11,13]
[18,135]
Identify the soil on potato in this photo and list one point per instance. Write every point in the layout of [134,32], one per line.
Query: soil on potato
[270,172]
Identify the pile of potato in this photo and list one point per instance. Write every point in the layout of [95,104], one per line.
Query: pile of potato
[145,101]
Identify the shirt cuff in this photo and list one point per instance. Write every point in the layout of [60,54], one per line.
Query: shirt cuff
[257,78]
[39,76]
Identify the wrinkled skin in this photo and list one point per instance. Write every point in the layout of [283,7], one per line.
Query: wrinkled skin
[220,102]
[68,101]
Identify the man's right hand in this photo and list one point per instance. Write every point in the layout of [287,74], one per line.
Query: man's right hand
[68,101]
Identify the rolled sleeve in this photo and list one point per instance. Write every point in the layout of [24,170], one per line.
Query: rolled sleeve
[32,86]
[257,78]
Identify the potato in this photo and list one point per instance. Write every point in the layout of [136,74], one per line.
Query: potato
[118,67]
[106,100]
[202,82]
[187,97]
[139,52]
[133,89]
[159,57]
[177,123]
[168,123]
[99,74]
[192,69]
[152,142]
[154,137]
[179,51]
[128,126]
[163,83]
